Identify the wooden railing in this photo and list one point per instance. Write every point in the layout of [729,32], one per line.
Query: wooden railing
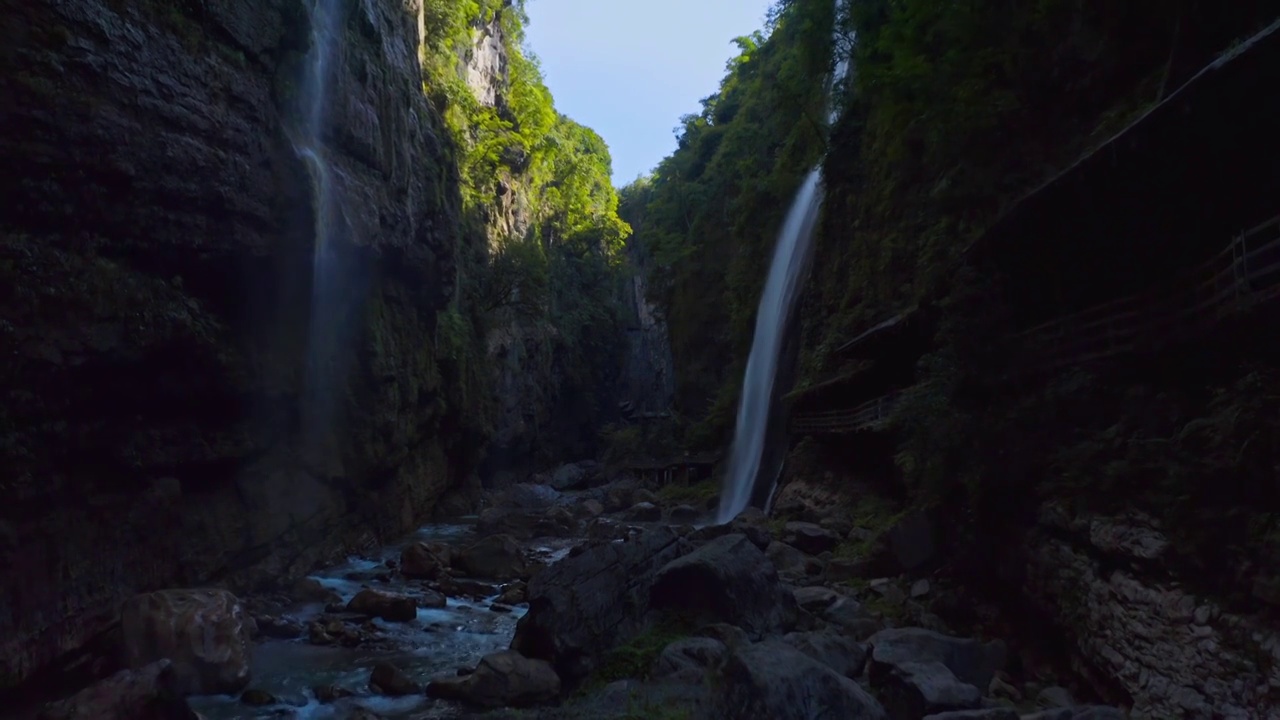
[1243,276]
[871,415]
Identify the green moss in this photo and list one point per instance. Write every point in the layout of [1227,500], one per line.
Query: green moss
[696,494]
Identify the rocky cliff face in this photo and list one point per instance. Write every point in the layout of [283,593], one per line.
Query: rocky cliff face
[1137,630]
[155,299]
[648,375]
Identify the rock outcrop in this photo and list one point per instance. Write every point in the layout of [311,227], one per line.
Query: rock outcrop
[204,634]
[1131,624]
[155,305]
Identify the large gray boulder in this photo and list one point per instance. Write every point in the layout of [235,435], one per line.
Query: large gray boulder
[726,580]
[773,681]
[969,660]
[585,605]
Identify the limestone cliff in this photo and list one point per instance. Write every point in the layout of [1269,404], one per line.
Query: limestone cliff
[1136,630]
[155,299]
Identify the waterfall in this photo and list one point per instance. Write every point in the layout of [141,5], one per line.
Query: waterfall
[329,226]
[781,290]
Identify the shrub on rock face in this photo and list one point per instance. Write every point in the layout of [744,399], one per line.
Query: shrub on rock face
[773,681]
[204,633]
[728,580]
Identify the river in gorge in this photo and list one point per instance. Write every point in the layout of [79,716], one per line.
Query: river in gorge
[438,642]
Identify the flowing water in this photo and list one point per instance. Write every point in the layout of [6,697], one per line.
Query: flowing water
[438,642]
[329,223]
[781,290]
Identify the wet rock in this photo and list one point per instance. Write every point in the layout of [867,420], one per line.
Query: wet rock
[727,580]
[391,607]
[504,678]
[205,633]
[809,538]
[257,698]
[432,599]
[816,599]
[644,512]
[500,608]
[773,681]
[583,606]
[455,587]
[969,660]
[590,508]
[425,561]
[497,557]
[914,689]
[514,594]
[147,693]
[387,679]
[310,589]
[280,628]
[687,659]
[835,651]
[330,693]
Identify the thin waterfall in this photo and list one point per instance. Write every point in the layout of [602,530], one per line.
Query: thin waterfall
[781,291]
[329,220]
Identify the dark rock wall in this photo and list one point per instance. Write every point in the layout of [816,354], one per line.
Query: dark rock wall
[155,293]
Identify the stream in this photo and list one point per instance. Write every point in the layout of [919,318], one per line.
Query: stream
[438,642]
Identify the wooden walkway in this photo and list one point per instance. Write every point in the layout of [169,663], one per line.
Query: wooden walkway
[1242,277]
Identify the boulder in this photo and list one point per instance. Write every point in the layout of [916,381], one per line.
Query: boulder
[786,558]
[816,599]
[687,659]
[983,714]
[280,628]
[683,515]
[389,606]
[387,679]
[969,660]
[497,557]
[422,560]
[146,693]
[644,512]
[502,679]
[726,580]
[576,476]
[527,496]
[911,540]
[912,690]
[809,537]
[590,508]
[204,633]
[585,605]
[619,497]
[773,681]
[835,651]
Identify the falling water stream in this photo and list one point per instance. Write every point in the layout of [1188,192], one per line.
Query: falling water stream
[781,290]
[329,222]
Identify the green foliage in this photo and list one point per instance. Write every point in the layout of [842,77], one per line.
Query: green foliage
[538,186]
[696,494]
[633,659]
[710,212]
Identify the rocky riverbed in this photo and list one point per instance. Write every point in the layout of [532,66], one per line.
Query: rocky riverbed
[587,600]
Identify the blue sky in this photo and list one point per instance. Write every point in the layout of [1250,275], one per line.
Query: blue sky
[630,68]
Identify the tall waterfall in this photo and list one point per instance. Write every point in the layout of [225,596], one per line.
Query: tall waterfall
[781,290]
[319,391]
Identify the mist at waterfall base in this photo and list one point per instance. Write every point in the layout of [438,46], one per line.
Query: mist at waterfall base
[781,290]
[330,290]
